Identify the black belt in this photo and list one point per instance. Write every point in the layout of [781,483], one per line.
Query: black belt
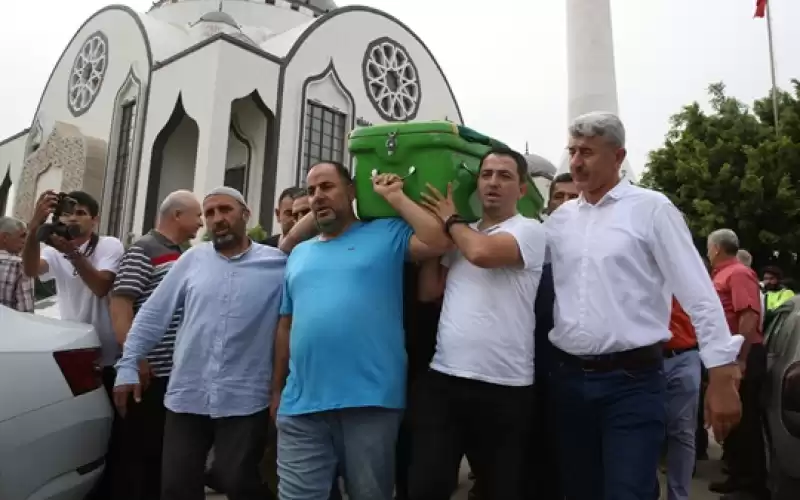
[671,353]
[641,358]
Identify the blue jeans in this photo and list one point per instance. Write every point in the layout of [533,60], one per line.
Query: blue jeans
[610,430]
[683,374]
[358,443]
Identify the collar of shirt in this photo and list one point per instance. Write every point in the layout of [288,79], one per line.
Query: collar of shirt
[490,229]
[6,255]
[616,193]
[239,255]
[731,261]
[165,241]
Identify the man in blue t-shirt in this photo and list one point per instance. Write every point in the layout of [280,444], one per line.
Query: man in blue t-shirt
[340,359]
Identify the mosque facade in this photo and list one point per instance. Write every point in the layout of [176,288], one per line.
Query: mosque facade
[194,94]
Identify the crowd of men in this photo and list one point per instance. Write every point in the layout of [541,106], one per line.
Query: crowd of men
[564,358]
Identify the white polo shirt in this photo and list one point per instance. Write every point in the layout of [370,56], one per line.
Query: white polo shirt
[76,302]
[487,321]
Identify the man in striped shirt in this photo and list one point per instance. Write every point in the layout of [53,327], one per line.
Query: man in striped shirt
[143,266]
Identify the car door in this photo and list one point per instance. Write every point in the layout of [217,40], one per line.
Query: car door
[782,418]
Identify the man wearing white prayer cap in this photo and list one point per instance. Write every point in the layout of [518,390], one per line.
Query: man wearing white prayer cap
[219,390]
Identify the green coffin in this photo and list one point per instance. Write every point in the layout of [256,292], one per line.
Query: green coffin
[435,153]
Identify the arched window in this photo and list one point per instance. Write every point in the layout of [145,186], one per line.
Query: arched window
[237,166]
[5,188]
[122,166]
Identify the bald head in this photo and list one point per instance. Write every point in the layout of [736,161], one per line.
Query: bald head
[175,201]
[180,216]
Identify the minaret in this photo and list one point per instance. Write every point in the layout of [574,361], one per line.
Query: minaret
[591,71]
[590,58]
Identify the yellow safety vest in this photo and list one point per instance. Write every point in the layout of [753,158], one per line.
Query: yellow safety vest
[775,299]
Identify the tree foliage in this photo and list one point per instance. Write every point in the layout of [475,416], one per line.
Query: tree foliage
[728,168]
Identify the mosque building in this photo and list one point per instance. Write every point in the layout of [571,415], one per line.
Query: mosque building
[194,94]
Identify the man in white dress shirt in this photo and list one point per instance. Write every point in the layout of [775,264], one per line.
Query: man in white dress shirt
[618,254]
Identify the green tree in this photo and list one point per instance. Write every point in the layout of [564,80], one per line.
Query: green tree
[729,168]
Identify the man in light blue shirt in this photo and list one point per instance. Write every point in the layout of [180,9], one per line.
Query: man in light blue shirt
[219,391]
[340,339]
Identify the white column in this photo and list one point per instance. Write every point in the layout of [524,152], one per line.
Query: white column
[590,58]
[212,148]
[591,70]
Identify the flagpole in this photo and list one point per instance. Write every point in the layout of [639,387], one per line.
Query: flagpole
[772,68]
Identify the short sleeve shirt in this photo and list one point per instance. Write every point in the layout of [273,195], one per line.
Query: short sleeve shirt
[143,266]
[486,329]
[76,302]
[345,296]
[738,289]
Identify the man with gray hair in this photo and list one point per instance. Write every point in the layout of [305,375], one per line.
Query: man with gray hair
[143,267]
[219,389]
[739,293]
[619,252]
[745,257]
[16,289]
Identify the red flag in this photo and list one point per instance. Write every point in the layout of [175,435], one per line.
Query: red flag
[761,8]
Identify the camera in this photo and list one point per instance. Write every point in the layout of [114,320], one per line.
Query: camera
[65,205]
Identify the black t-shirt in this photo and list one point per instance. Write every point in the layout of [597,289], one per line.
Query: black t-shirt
[272,241]
[421,325]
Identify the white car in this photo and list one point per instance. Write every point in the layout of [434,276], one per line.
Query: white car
[55,416]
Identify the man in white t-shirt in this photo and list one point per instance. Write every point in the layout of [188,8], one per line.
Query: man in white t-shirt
[477,398]
[83,268]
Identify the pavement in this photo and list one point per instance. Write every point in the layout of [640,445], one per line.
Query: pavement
[707,471]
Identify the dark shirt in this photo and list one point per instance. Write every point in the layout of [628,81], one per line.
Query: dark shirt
[272,241]
[141,270]
[421,321]
[545,302]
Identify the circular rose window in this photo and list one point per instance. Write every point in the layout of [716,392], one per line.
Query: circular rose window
[87,73]
[392,80]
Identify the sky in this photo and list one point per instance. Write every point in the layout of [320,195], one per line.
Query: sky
[505,59]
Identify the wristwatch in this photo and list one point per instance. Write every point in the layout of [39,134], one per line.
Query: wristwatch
[453,219]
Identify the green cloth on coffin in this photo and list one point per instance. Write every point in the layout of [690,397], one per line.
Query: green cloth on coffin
[472,135]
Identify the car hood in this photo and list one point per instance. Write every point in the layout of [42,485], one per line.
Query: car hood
[25,332]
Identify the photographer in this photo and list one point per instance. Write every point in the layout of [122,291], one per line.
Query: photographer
[83,265]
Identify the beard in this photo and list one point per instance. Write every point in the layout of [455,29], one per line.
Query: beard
[230,238]
[224,241]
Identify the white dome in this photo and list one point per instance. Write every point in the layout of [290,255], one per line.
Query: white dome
[220,17]
[318,5]
[323,5]
[539,166]
[212,23]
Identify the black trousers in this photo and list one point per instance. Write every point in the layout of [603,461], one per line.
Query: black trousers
[542,452]
[238,442]
[451,417]
[744,446]
[142,444]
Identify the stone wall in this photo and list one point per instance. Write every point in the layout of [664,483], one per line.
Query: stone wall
[81,159]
